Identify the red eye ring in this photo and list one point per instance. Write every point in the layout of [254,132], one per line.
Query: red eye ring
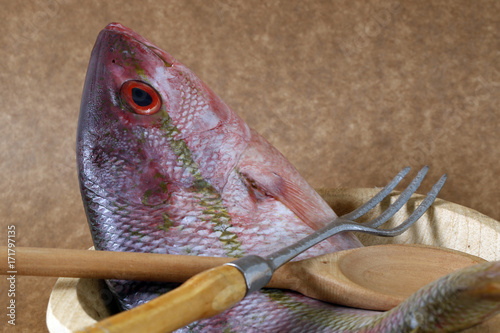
[140,97]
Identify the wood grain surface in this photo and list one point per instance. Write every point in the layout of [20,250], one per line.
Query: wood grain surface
[349,91]
[73,302]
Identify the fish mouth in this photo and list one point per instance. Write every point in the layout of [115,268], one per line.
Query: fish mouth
[127,33]
[488,282]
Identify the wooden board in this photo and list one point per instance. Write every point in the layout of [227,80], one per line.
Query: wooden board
[75,303]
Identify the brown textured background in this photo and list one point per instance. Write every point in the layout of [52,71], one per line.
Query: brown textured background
[349,91]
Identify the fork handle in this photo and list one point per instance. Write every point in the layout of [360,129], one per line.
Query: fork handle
[203,296]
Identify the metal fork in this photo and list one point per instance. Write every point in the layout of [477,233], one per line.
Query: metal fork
[216,290]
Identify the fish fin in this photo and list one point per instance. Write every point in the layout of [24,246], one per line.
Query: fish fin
[306,203]
[268,173]
[308,208]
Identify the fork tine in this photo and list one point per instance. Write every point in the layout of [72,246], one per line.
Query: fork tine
[362,210]
[417,213]
[420,210]
[401,200]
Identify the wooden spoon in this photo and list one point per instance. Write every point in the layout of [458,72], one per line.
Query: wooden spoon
[374,277]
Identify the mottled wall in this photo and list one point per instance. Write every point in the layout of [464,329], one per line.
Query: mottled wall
[349,91]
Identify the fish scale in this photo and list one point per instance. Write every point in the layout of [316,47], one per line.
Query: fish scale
[191,178]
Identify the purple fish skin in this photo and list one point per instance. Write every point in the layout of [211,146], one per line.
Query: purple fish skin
[188,176]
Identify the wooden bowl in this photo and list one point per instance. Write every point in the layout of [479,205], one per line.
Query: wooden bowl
[76,303]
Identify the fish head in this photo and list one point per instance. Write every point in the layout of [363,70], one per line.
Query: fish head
[159,153]
[140,109]
[483,283]
[123,64]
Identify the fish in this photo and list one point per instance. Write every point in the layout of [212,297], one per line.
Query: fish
[165,166]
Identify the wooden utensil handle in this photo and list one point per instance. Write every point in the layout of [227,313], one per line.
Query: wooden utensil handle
[108,264]
[203,296]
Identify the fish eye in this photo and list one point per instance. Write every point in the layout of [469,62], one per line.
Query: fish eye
[140,97]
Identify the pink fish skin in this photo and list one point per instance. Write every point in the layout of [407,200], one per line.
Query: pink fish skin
[166,166]
[193,143]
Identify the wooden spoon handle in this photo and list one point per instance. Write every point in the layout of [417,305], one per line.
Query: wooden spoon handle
[107,264]
[202,296]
